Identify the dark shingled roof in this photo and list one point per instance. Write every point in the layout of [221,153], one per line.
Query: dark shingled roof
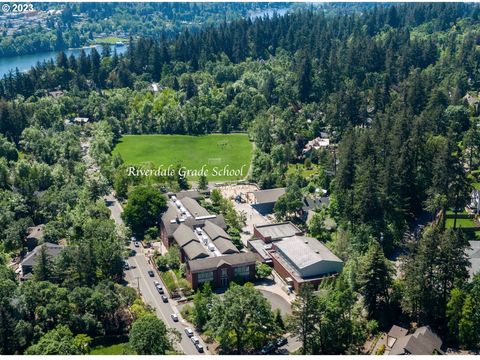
[194,207]
[189,193]
[184,235]
[213,263]
[194,250]
[422,342]
[397,332]
[32,257]
[317,203]
[172,213]
[268,196]
[225,246]
[220,238]
[214,231]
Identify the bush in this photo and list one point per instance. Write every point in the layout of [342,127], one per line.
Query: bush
[380,350]
[187,313]
[185,286]
[169,281]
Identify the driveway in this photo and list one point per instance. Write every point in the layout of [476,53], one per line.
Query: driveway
[277,301]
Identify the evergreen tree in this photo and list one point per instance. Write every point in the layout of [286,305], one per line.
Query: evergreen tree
[43,270]
[375,280]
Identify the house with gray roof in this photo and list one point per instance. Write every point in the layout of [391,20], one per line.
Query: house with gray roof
[32,258]
[422,342]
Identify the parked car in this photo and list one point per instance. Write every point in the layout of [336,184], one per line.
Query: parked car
[151,273]
[164,299]
[136,243]
[159,289]
[174,317]
[268,348]
[126,265]
[189,332]
[195,340]
[199,347]
[282,341]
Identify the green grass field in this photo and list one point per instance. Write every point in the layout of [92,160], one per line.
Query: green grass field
[460,223]
[109,40]
[116,349]
[223,157]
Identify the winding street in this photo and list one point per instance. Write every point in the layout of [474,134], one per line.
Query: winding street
[139,278]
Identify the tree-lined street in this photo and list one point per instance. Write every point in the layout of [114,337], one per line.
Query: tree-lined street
[137,277]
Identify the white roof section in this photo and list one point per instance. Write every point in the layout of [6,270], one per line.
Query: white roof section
[309,256]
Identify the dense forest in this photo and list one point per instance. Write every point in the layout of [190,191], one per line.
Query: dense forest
[395,87]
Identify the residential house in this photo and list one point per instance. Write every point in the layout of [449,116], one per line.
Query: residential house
[422,342]
[310,205]
[31,259]
[316,144]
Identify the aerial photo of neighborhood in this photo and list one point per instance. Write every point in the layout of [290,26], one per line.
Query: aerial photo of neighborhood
[239,178]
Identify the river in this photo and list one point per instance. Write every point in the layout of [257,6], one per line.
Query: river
[26,62]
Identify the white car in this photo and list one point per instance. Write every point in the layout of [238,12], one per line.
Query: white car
[195,340]
[189,332]
[174,317]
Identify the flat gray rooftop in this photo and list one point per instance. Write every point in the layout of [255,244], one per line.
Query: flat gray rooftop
[278,231]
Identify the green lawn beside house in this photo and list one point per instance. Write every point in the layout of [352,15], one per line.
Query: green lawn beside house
[460,223]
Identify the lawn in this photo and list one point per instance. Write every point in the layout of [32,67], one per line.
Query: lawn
[116,349]
[218,156]
[306,173]
[111,40]
[460,223]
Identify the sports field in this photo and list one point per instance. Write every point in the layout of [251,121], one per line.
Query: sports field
[220,157]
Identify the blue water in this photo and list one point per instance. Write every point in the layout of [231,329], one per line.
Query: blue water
[26,62]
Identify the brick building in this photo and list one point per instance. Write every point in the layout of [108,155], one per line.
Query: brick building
[205,246]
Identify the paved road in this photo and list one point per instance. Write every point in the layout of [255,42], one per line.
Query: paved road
[138,277]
